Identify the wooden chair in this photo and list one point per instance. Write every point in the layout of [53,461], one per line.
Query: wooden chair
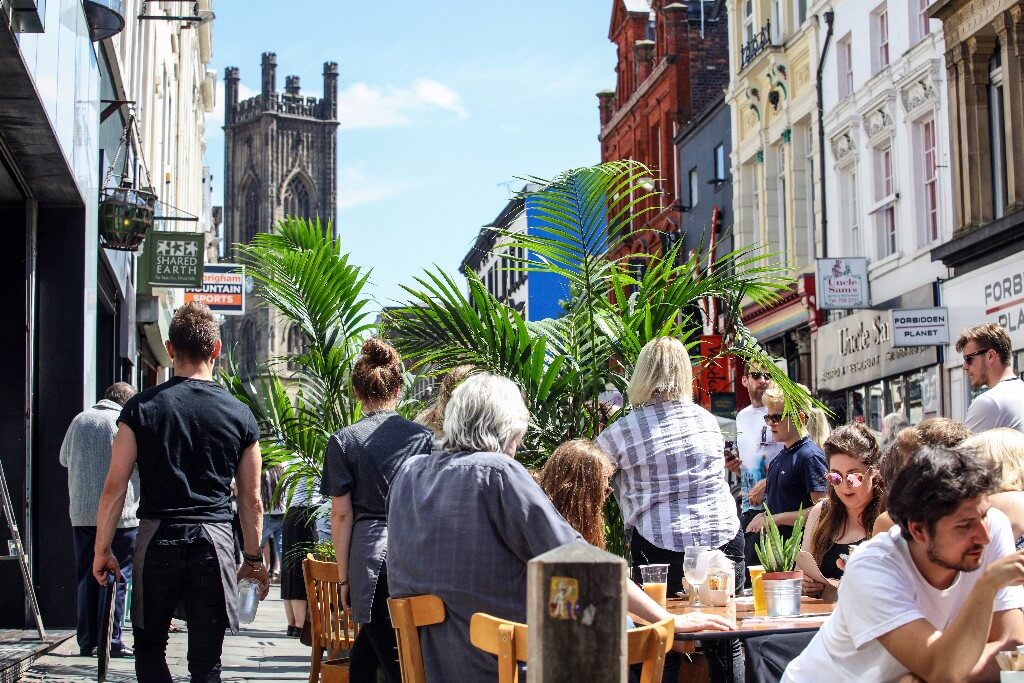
[407,616]
[329,620]
[645,645]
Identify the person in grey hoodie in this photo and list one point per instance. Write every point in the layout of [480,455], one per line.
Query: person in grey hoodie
[86,454]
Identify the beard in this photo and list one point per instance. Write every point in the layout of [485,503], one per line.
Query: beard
[965,564]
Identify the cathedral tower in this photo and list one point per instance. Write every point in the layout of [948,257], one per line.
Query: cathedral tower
[280,159]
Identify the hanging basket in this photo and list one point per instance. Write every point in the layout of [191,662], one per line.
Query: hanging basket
[126,215]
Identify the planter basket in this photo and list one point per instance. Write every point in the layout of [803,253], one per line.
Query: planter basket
[782,592]
[126,215]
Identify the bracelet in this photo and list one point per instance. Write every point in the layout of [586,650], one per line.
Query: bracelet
[252,558]
[343,583]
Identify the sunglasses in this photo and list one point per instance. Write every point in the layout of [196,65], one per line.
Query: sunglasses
[969,357]
[758,375]
[773,419]
[854,479]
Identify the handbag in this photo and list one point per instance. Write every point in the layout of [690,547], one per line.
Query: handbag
[306,636]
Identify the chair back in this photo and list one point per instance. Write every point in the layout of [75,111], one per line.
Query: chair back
[506,639]
[407,616]
[329,620]
[648,645]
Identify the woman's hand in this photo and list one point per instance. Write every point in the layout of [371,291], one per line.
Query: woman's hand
[813,588]
[699,621]
[756,524]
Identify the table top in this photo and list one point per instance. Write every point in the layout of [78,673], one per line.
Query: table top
[813,613]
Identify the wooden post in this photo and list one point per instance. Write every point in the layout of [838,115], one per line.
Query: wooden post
[576,613]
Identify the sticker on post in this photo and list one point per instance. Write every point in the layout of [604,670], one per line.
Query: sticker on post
[564,600]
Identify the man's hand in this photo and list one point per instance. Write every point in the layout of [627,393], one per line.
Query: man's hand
[756,494]
[103,562]
[756,524]
[257,573]
[699,621]
[1006,571]
[732,462]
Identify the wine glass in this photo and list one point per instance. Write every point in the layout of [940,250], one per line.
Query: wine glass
[695,569]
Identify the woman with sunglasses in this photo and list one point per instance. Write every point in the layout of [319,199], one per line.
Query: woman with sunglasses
[843,519]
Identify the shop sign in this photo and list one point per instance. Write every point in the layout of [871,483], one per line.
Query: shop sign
[175,258]
[223,289]
[859,349]
[920,326]
[842,283]
[713,373]
[991,294]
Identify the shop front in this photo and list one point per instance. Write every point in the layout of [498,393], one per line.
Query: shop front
[862,376]
[990,294]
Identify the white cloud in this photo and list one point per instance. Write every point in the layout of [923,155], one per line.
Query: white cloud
[364,106]
[216,117]
[356,187]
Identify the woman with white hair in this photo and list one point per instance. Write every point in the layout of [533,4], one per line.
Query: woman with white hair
[669,460]
[463,523]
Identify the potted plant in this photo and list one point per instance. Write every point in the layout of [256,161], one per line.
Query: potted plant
[783,583]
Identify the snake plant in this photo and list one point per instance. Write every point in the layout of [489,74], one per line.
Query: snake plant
[775,554]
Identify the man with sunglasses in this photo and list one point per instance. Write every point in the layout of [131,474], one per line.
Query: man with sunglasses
[757,448]
[938,595]
[986,351]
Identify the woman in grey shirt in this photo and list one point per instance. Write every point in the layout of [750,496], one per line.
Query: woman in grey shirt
[359,465]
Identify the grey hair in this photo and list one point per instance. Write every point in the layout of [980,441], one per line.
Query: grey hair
[486,413]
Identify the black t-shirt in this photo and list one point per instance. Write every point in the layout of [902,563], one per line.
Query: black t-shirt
[189,434]
[363,458]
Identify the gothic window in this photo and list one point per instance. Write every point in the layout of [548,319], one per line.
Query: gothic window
[250,212]
[296,344]
[296,199]
[247,348]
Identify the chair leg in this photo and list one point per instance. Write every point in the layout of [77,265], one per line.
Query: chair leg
[314,664]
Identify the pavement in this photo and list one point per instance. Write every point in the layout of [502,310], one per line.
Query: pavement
[260,652]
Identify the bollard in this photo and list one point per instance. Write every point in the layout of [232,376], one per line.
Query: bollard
[576,613]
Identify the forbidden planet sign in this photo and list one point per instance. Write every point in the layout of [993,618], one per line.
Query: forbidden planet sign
[223,289]
[920,327]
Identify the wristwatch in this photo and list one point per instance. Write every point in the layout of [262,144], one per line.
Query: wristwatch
[343,583]
[255,559]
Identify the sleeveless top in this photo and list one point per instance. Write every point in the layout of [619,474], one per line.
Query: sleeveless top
[828,566]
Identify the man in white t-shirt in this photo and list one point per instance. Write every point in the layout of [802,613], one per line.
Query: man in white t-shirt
[986,350]
[936,596]
[757,448]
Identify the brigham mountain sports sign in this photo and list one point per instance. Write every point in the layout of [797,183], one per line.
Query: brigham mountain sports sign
[175,258]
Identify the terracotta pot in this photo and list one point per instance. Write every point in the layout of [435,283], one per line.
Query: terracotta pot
[780,576]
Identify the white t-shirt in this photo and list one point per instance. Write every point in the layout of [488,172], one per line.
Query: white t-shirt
[1000,406]
[756,447]
[882,590]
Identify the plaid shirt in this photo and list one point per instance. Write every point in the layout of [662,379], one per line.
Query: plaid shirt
[670,475]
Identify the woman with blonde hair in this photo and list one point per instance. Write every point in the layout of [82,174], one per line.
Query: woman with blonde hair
[433,415]
[669,460]
[1004,447]
[576,479]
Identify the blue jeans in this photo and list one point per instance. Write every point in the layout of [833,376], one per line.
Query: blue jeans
[189,572]
[272,526]
[123,547]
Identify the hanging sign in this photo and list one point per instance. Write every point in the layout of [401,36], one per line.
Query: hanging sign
[175,258]
[920,327]
[223,289]
[842,283]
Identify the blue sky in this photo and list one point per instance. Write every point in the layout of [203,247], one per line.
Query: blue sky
[442,105]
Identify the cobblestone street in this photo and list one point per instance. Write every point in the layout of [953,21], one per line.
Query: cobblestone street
[260,652]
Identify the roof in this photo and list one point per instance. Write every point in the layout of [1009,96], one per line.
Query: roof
[637,5]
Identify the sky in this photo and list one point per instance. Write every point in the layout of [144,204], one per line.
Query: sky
[443,106]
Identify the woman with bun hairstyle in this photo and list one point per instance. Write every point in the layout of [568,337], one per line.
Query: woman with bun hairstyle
[360,463]
[843,519]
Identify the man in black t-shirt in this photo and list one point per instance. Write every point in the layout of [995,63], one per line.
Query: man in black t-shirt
[189,438]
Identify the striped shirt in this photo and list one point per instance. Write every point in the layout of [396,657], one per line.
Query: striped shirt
[669,480]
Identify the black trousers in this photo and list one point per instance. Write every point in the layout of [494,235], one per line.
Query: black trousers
[123,547]
[718,652]
[188,572]
[375,647]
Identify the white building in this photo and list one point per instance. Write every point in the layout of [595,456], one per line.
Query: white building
[888,186]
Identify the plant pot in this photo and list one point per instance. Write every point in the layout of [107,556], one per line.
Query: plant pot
[782,596]
[781,576]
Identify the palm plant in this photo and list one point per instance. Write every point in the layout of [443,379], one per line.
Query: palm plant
[300,271]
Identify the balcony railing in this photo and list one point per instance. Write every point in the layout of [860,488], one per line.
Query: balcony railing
[755,45]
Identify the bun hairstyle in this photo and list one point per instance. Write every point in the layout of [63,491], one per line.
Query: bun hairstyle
[377,376]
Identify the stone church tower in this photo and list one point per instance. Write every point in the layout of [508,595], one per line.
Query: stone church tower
[280,158]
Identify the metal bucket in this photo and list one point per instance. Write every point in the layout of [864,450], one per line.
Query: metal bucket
[783,597]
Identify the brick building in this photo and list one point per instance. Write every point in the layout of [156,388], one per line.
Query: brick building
[672,64]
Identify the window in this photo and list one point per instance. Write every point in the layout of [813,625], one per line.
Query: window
[720,162]
[851,206]
[693,187]
[919,21]
[782,239]
[885,216]
[778,32]
[250,212]
[931,197]
[997,132]
[658,158]
[296,199]
[880,36]
[748,21]
[799,12]
[844,64]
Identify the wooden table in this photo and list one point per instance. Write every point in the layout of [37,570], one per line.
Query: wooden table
[813,614]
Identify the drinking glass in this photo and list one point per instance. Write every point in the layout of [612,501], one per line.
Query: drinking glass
[695,569]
